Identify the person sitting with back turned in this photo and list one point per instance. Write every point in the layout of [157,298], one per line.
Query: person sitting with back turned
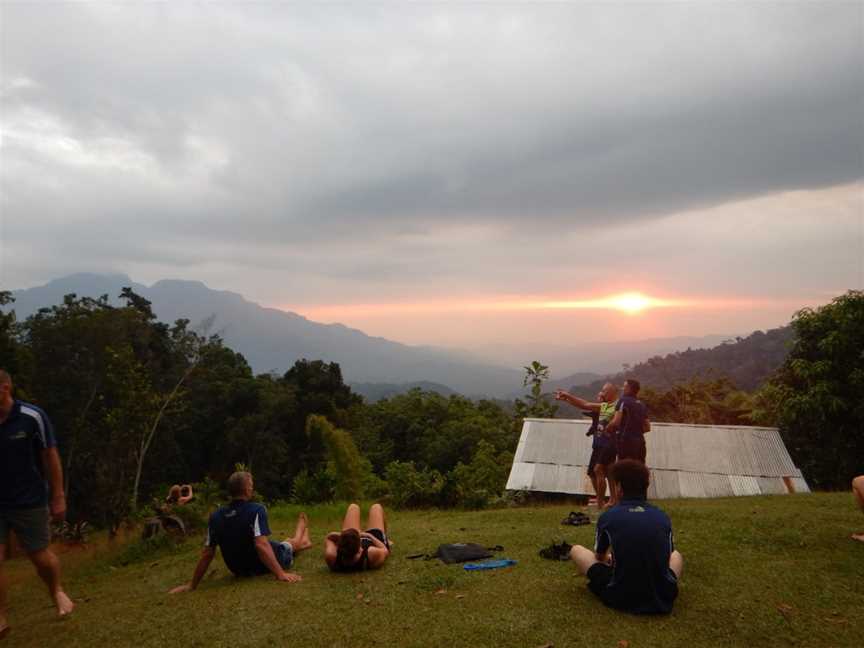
[603,448]
[634,566]
[241,530]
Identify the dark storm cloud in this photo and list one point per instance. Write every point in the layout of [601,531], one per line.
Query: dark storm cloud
[180,133]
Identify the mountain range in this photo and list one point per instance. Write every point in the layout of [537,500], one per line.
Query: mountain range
[273,339]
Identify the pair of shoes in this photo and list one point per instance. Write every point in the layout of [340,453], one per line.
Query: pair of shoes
[576,519]
[556,551]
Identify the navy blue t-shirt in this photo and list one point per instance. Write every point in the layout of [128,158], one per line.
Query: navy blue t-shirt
[634,415]
[233,528]
[641,539]
[23,436]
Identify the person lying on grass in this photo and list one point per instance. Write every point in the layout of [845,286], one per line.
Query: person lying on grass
[858,492]
[241,530]
[634,565]
[356,550]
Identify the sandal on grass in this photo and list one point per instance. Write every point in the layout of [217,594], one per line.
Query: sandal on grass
[576,519]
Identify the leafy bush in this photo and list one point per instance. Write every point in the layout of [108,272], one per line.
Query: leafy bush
[410,487]
[313,488]
[482,479]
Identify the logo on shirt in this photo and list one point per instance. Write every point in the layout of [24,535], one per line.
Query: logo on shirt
[20,435]
[230,513]
[636,509]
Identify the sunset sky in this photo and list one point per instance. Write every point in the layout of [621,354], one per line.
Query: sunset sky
[444,174]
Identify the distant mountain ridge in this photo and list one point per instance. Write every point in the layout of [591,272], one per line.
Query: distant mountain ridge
[272,339]
[747,361]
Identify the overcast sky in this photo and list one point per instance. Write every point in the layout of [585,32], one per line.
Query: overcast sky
[390,164]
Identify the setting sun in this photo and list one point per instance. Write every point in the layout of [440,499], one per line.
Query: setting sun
[631,303]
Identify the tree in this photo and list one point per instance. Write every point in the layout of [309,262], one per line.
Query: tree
[538,405]
[815,397]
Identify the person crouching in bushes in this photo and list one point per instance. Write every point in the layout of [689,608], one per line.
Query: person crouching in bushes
[634,566]
[355,550]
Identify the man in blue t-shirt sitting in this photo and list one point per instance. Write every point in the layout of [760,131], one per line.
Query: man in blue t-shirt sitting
[634,565]
[241,530]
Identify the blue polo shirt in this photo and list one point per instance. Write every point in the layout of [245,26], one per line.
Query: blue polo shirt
[233,528]
[634,415]
[24,434]
[641,539]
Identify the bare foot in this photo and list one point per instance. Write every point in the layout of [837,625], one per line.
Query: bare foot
[64,603]
[858,536]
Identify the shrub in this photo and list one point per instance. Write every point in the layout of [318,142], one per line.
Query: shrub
[313,488]
[411,487]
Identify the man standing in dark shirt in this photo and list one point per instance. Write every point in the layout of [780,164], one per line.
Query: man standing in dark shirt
[634,565]
[241,530]
[630,422]
[29,457]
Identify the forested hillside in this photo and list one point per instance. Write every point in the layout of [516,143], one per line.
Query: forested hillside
[747,362]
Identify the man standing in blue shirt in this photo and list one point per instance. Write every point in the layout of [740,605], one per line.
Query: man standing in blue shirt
[634,565]
[28,456]
[241,530]
[630,422]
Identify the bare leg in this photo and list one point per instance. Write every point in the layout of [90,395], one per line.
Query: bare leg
[300,540]
[376,518]
[600,485]
[584,558]
[352,518]
[48,567]
[676,563]
[858,492]
[4,622]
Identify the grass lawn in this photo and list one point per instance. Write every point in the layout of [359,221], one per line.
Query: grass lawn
[759,571]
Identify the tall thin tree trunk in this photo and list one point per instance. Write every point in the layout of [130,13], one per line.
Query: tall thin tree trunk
[147,439]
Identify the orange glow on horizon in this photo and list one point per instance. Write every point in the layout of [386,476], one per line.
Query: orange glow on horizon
[631,303]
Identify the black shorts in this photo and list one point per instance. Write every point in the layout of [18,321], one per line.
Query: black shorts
[378,533]
[632,448]
[599,577]
[602,456]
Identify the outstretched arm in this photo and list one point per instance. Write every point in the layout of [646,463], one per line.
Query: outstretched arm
[268,558]
[204,561]
[576,401]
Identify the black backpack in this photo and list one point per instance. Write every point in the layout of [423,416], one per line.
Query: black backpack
[461,552]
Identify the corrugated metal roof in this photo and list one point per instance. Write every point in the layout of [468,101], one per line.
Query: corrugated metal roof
[685,460]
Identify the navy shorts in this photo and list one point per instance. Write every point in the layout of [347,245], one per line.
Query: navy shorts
[599,577]
[284,553]
[632,448]
[31,526]
[603,456]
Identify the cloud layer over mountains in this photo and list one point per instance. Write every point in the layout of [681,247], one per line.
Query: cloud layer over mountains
[331,152]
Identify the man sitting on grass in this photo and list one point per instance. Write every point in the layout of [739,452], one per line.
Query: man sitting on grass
[240,529]
[634,565]
[858,492]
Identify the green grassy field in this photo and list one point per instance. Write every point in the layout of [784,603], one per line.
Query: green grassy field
[760,571]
